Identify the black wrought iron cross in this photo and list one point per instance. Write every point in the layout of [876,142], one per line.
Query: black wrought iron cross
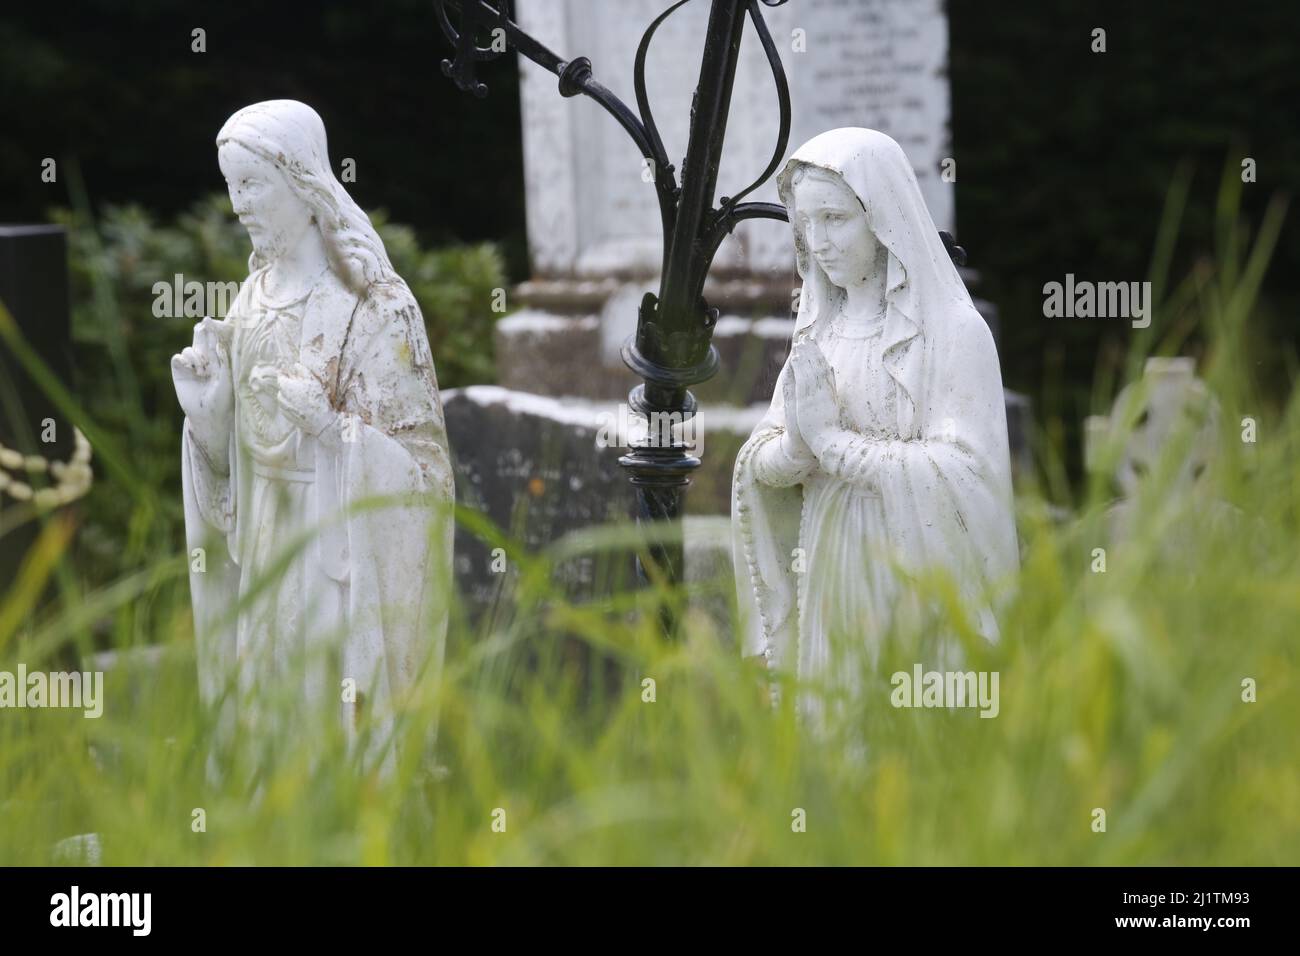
[672,348]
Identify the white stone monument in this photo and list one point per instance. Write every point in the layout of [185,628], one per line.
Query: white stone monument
[594,231]
[592,209]
[1157,447]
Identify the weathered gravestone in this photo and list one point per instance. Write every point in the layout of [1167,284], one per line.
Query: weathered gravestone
[593,223]
[1167,421]
[38,445]
[591,212]
[541,467]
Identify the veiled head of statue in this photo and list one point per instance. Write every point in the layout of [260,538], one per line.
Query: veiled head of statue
[856,210]
[835,226]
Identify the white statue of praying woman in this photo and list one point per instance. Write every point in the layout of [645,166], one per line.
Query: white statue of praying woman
[317,475]
[884,454]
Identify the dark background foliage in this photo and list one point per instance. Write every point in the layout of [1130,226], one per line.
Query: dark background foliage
[113,85]
[1064,156]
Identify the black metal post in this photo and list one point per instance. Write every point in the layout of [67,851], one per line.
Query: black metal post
[672,348]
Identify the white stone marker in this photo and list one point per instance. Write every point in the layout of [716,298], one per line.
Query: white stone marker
[1170,411]
[316,393]
[591,205]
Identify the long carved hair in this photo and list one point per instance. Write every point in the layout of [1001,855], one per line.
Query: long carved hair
[291,136]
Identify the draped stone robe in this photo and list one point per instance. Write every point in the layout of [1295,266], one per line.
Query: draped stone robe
[309,579]
[899,503]
[827,555]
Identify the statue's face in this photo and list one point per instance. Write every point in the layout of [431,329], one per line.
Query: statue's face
[835,228]
[274,216]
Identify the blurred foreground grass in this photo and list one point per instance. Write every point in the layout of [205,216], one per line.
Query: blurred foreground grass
[1120,690]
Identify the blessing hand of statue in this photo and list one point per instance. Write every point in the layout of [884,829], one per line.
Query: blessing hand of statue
[201,374]
[303,399]
[817,408]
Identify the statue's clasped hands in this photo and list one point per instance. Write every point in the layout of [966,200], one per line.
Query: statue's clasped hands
[812,409]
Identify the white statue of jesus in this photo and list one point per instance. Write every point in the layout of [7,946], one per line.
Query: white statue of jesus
[317,477]
[884,453]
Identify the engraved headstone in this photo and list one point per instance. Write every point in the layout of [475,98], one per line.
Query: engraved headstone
[594,231]
[591,204]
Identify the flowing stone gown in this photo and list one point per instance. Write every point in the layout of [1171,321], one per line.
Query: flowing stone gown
[920,480]
[317,477]
[842,521]
[293,619]
[365,595]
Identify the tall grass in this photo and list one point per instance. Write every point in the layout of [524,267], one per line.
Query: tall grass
[1120,691]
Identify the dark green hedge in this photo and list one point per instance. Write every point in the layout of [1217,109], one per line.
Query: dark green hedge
[1065,158]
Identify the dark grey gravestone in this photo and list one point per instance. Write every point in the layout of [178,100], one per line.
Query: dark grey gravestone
[532,465]
[535,475]
[34,290]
